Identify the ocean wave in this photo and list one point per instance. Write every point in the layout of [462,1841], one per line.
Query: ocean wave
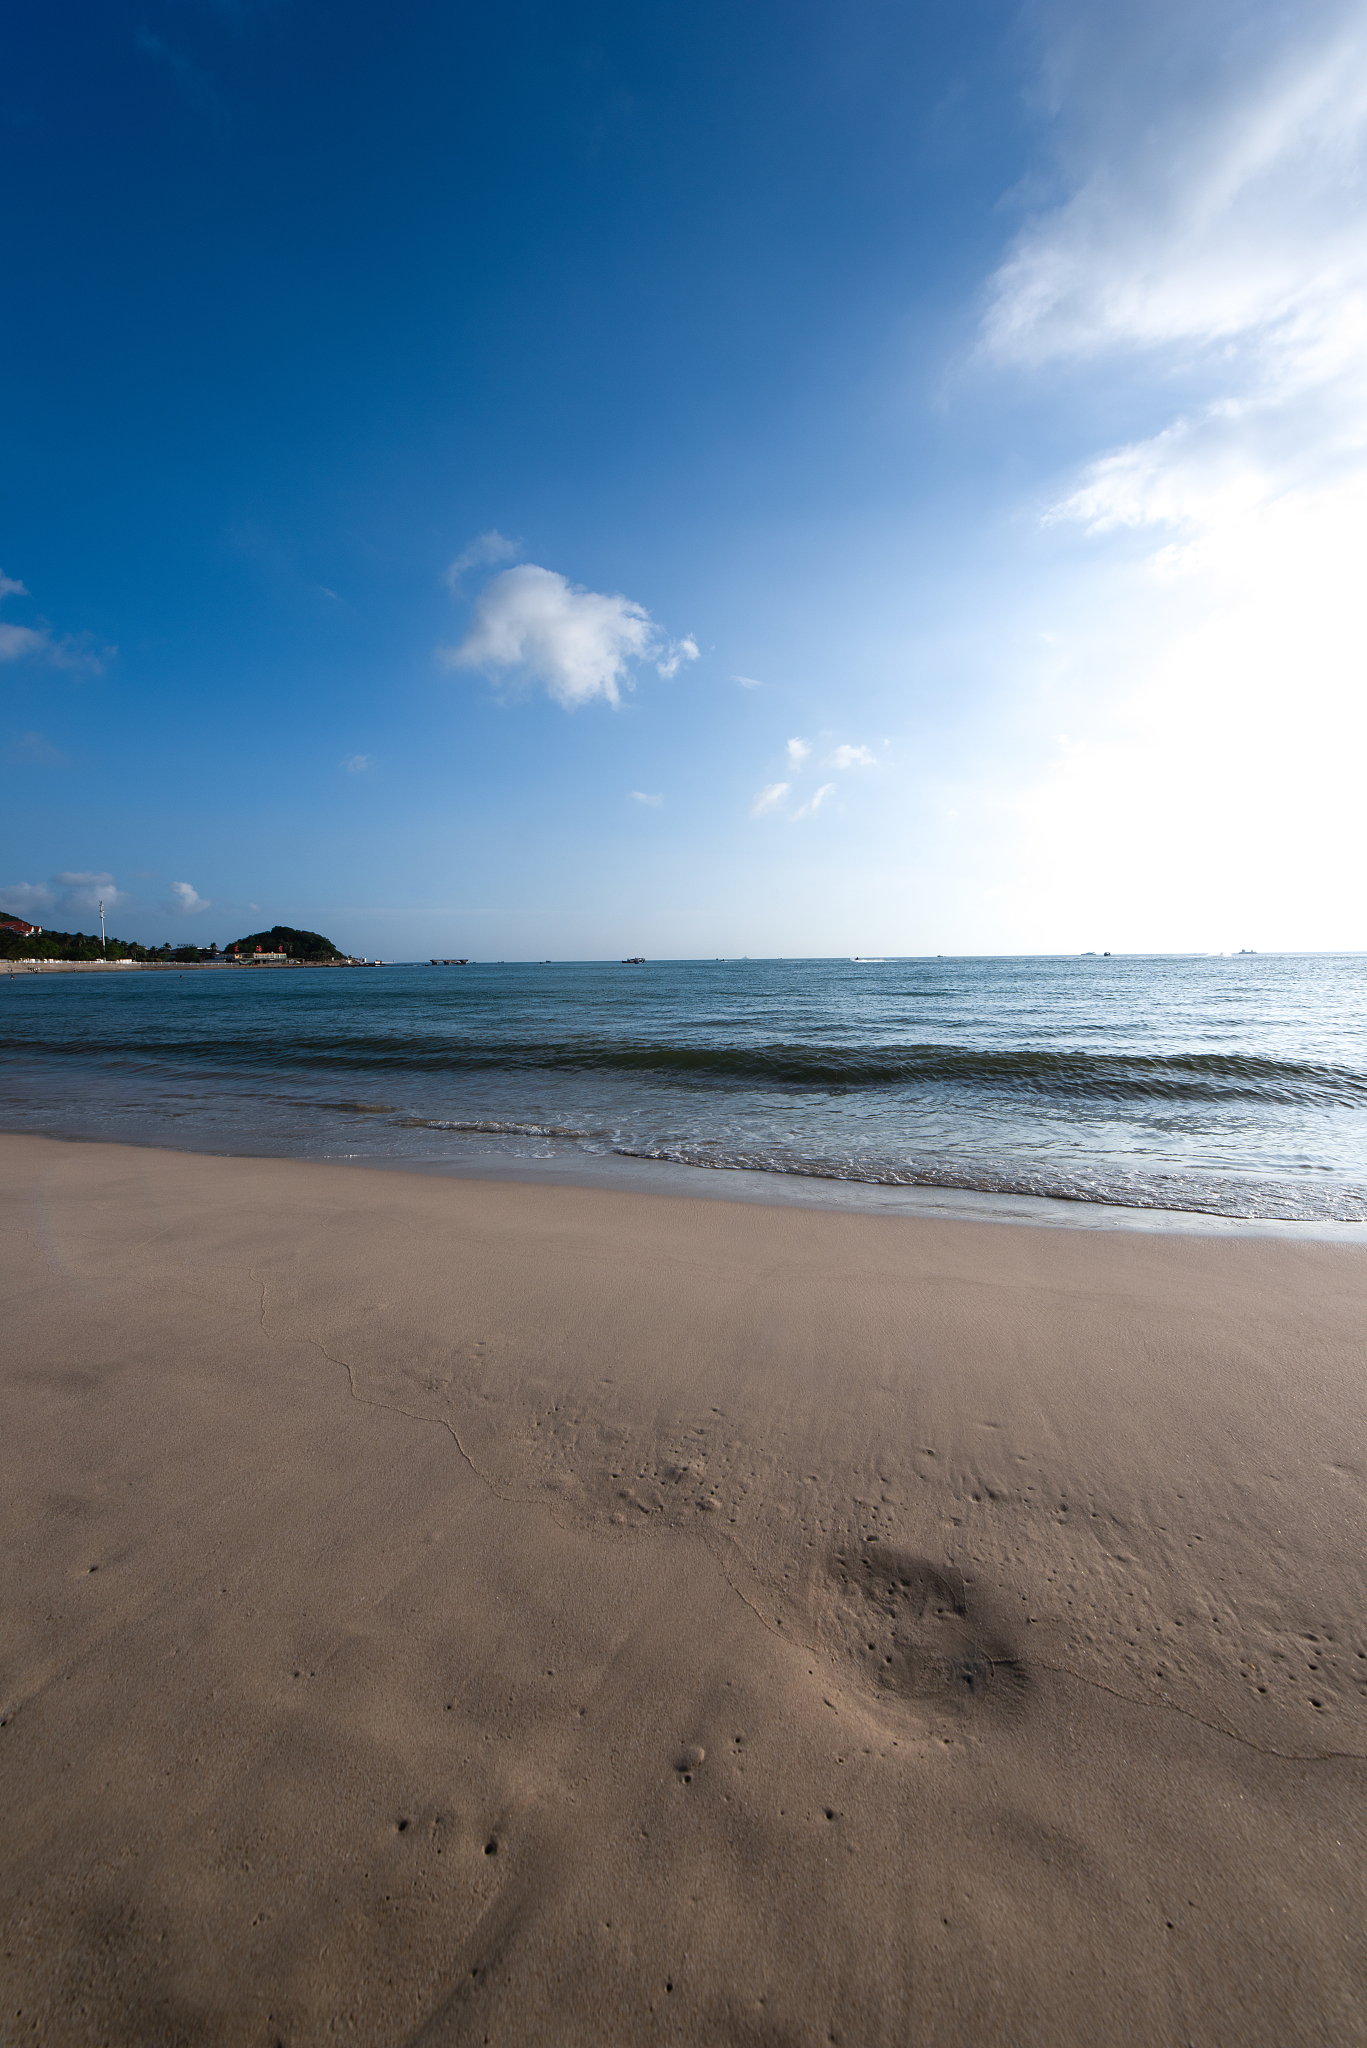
[1232,1197]
[494,1127]
[1063,1074]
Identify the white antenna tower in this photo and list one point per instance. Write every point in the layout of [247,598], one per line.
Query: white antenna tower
[102,943]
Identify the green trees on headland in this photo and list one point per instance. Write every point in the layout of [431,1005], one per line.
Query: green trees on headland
[22,943]
[283,938]
[46,945]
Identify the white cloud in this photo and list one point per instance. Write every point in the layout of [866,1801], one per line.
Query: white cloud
[1214,177]
[577,642]
[356,764]
[186,899]
[677,651]
[479,553]
[798,751]
[854,757]
[31,900]
[771,795]
[19,642]
[826,791]
[1206,247]
[1212,228]
[38,748]
[639,796]
[748,682]
[86,890]
[71,895]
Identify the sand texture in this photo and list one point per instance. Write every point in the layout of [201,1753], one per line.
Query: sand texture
[442,1612]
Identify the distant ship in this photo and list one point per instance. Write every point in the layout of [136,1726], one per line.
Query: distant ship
[636,960]
[450,963]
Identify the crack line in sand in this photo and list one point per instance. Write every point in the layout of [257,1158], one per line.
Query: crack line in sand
[707,1546]
[366,1401]
[390,1408]
[1288,1756]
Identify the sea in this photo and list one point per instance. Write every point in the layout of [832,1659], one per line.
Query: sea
[1227,1087]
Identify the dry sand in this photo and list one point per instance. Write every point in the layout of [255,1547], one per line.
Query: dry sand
[441,1611]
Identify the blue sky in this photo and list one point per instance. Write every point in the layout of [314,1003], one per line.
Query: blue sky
[567,481]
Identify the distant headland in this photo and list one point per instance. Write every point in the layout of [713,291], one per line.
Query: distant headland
[283,945]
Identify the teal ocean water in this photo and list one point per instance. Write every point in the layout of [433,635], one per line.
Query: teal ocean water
[1230,1086]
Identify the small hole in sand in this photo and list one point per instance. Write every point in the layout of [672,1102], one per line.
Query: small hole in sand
[830,1813]
[491,1847]
[402,1826]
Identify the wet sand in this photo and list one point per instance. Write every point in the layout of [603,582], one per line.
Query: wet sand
[443,1611]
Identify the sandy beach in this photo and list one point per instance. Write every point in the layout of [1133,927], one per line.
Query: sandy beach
[443,1611]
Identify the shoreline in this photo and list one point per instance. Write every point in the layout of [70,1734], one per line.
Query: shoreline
[630,1173]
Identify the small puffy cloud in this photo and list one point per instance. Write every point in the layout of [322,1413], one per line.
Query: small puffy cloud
[356,764]
[37,747]
[769,798]
[577,642]
[187,899]
[31,900]
[854,757]
[481,553]
[826,791]
[640,796]
[677,651]
[798,751]
[748,682]
[72,894]
[87,890]
[19,642]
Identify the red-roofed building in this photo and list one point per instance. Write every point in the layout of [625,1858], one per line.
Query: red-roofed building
[20,929]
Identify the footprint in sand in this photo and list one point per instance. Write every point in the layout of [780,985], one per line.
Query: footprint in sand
[913,1628]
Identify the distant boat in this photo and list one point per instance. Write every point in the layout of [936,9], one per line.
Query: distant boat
[636,960]
[450,963]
